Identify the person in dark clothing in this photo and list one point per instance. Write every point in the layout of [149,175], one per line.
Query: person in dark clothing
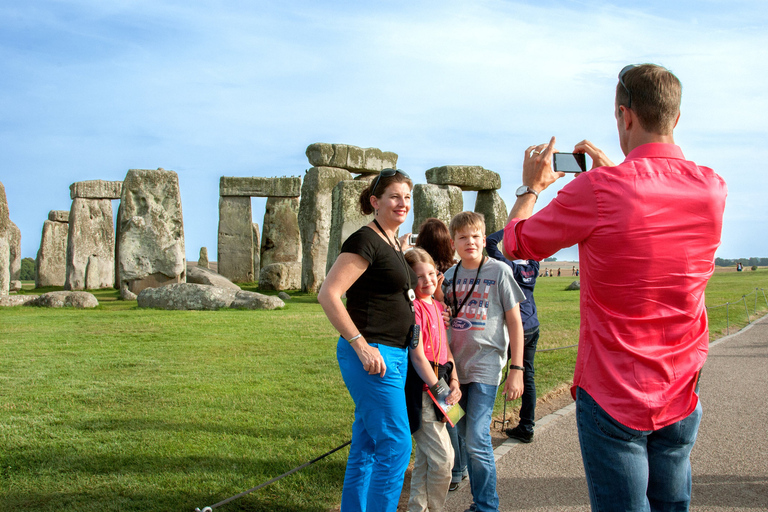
[525,274]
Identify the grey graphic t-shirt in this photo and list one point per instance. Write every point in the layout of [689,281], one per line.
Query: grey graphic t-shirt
[478,335]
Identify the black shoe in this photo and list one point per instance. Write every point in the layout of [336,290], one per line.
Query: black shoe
[454,486]
[520,434]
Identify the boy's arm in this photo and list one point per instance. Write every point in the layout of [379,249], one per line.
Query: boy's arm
[513,387]
[454,382]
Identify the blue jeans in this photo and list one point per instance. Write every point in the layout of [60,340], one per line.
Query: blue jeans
[381,438]
[475,431]
[634,470]
[459,454]
[528,405]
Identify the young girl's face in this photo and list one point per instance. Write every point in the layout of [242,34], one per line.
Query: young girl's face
[427,283]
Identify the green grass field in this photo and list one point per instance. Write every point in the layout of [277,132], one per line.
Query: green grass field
[118,408]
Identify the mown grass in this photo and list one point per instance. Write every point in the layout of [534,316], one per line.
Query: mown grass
[119,408]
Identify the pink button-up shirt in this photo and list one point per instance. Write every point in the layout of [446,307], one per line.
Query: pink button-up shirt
[647,231]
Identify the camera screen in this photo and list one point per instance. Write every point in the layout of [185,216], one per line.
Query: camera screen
[570,162]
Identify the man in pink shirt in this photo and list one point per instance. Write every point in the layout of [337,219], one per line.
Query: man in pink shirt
[647,231]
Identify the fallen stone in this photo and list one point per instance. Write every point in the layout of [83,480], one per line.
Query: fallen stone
[202,260]
[260,187]
[492,206]
[284,296]
[151,230]
[574,286]
[15,300]
[466,177]
[439,201]
[281,237]
[202,275]
[235,242]
[79,300]
[90,245]
[315,212]
[58,215]
[346,217]
[351,158]
[281,276]
[191,296]
[95,189]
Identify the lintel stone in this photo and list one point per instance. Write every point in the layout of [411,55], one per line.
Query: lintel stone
[259,187]
[351,158]
[96,189]
[58,215]
[466,177]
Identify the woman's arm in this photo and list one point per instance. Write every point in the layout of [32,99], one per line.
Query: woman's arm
[345,271]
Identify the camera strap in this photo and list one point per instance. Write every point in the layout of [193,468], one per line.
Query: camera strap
[409,293]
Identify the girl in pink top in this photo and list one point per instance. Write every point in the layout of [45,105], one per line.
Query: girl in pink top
[433,462]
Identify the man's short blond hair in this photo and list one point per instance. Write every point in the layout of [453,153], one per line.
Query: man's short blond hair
[464,220]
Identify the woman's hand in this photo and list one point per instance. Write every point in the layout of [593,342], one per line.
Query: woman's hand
[372,360]
[404,241]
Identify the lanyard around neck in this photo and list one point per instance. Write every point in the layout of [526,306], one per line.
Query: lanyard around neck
[456,305]
[400,257]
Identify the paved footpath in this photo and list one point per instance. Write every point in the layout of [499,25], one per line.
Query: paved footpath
[729,460]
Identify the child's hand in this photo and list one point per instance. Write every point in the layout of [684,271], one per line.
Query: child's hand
[447,316]
[513,388]
[455,395]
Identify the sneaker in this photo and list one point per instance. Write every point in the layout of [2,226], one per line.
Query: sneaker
[520,434]
[455,485]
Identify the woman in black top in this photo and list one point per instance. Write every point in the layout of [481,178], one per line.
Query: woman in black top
[375,328]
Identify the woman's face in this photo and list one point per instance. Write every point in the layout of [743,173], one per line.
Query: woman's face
[427,283]
[394,204]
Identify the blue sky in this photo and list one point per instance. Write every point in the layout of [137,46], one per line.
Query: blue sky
[90,89]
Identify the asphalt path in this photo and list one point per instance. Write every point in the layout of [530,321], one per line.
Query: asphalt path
[729,461]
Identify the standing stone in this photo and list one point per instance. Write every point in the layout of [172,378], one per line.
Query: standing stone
[346,217]
[90,245]
[439,201]
[235,246]
[315,212]
[256,251]
[5,246]
[14,256]
[281,240]
[492,206]
[51,262]
[151,228]
[202,261]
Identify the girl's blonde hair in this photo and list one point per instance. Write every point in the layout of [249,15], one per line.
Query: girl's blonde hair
[418,255]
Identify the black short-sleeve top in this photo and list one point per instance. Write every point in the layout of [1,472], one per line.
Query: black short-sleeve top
[378,302]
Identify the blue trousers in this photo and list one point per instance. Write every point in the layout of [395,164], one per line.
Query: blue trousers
[381,438]
[634,470]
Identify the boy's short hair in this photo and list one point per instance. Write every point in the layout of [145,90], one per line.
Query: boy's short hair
[465,220]
[418,255]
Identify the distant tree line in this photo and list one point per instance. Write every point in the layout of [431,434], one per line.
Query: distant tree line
[747,262]
[27,269]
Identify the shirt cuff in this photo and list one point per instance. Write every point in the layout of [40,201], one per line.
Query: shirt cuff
[510,238]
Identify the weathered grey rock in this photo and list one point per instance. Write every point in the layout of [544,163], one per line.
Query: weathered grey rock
[492,206]
[10,301]
[95,189]
[252,300]
[352,158]
[51,262]
[79,300]
[260,187]
[5,246]
[58,216]
[191,296]
[281,276]
[126,294]
[346,217]
[576,285]
[283,296]
[235,245]
[202,260]
[439,201]
[206,276]
[90,245]
[466,177]
[14,256]
[315,211]
[281,240]
[151,230]
[256,251]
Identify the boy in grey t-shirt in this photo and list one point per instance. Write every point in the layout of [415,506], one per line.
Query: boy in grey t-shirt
[484,298]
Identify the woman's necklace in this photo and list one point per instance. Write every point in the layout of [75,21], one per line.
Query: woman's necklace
[409,291]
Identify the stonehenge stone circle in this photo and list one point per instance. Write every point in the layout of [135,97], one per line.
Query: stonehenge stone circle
[280,233]
[315,211]
[281,276]
[351,158]
[466,177]
[51,262]
[202,260]
[346,217]
[90,245]
[151,230]
[95,189]
[14,256]
[439,201]
[492,206]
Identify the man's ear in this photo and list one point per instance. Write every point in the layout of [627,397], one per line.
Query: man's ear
[626,117]
[677,119]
